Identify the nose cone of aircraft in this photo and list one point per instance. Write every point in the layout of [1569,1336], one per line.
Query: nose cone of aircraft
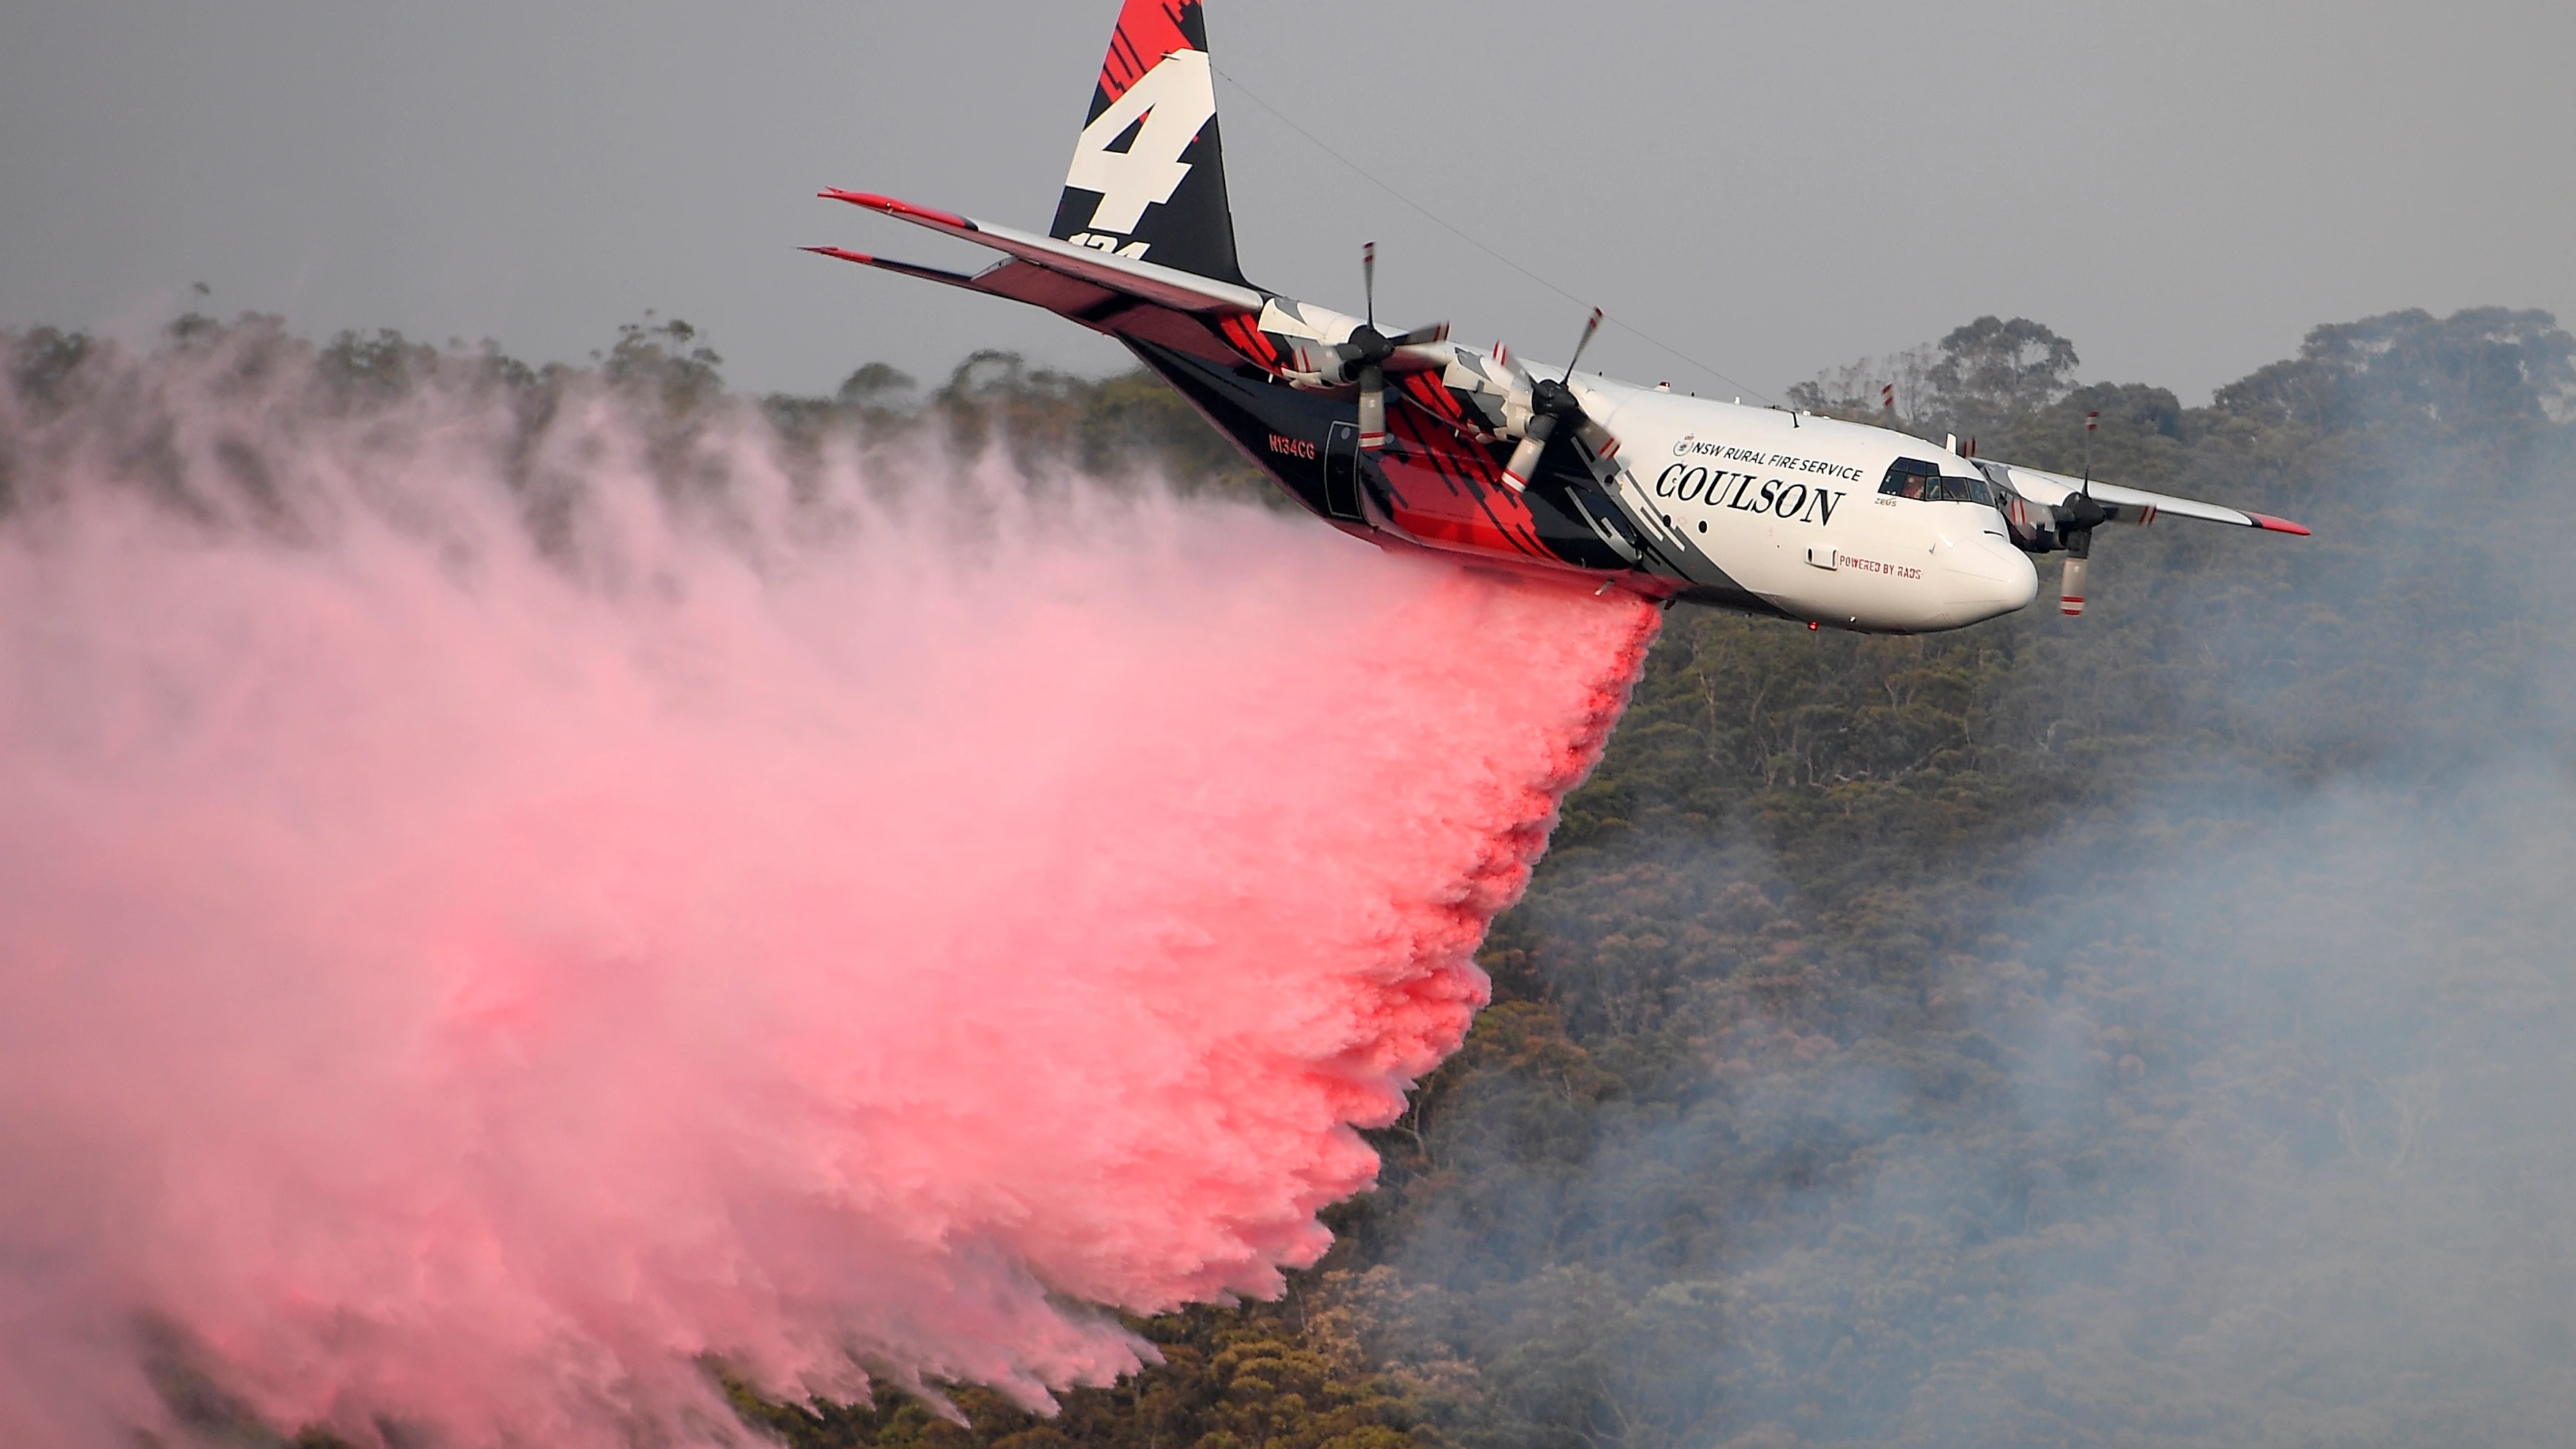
[1988,577]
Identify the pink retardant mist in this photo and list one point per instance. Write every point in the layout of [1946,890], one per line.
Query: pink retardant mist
[485,931]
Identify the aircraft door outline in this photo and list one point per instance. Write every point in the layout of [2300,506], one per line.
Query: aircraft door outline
[1342,474]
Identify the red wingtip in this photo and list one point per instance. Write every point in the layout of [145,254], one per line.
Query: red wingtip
[862,258]
[892,207]
[2277,525]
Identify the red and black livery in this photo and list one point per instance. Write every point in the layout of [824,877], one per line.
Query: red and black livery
[1194,229]
[1169,286]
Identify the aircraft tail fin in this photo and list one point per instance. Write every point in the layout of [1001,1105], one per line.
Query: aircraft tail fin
[1148,175]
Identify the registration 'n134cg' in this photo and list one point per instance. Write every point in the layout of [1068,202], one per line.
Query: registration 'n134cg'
[1414,442]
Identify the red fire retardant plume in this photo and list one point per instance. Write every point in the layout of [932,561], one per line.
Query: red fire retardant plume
[444,984]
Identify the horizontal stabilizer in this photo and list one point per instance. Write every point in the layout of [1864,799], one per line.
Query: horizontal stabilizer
[887,264]
[1013,279]
[1145,281]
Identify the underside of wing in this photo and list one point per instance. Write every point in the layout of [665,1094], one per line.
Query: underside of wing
[2125,505]
[1014,279]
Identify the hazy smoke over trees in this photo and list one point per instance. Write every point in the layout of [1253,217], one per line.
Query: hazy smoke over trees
[1980,377]
[2147,1029]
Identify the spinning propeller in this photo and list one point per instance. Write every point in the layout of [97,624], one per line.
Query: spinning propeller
[1369,350]
[1553,402]
[2077,517]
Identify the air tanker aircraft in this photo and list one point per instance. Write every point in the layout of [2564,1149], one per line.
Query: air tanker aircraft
[1413,442]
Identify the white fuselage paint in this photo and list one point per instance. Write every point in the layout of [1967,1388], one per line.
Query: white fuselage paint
[1784,505]
[1787,506]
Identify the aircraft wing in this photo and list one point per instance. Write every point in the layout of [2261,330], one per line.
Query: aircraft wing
[2127,505]
[1110,273]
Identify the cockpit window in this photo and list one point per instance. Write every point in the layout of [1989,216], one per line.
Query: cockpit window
[1916,478]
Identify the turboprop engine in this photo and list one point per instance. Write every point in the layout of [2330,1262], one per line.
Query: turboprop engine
[1360,355]
[1498,399]
[1551,403]
[2048,512]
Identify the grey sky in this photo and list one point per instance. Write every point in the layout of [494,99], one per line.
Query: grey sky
[2182,188]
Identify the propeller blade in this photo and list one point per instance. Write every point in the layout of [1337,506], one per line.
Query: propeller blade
[1603,442]
[1533,444]
[2079,555]
[1368,279]
[1420,358]
[1423,336]
[1589,328]
[1372,409]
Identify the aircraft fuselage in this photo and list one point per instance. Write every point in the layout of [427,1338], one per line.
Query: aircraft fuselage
[1749,508]
[1413,442]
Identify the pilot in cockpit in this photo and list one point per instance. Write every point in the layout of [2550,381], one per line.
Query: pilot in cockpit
[1921,479]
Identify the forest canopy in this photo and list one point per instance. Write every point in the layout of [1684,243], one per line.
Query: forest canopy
[2145,1029]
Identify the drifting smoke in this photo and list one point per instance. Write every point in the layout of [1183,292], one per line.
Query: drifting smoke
[496,907]
[2228,1107]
